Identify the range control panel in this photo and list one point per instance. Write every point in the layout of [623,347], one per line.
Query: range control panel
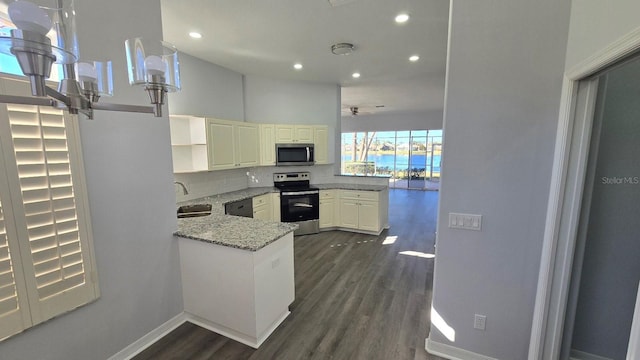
[296,176]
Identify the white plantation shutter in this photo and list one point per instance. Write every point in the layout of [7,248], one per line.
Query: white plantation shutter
[46,185]
[14,309]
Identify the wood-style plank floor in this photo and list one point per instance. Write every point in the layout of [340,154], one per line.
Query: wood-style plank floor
[357,296]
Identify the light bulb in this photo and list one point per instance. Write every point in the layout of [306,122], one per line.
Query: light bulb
[402,18]
[29,17]
[87,72]
[155,65]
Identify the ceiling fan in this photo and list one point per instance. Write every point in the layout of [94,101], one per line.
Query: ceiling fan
[355,110]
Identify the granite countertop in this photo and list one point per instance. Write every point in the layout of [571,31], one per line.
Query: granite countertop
[232,231]
[241,232]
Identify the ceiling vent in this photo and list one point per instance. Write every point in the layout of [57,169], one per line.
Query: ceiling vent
[342,48]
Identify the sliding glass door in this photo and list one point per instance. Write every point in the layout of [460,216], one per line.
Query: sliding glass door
[411,159]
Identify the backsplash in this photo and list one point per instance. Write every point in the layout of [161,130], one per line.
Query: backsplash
[320,174]
[206,183]
[263,176]
[201,184]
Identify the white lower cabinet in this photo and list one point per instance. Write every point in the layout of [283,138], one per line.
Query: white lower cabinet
[275,205]
[241,294]
[354,210]
[359,210]
[328,209]
[262,208]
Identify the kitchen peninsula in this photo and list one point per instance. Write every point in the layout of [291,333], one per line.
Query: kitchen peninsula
[237,272]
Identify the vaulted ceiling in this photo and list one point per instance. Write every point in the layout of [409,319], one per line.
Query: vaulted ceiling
[267,37]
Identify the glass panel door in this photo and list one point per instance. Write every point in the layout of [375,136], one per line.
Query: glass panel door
[417,159]
[410,159]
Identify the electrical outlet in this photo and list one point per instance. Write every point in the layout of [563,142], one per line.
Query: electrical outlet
[479,322]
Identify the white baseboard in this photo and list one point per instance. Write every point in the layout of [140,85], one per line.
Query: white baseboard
[232,334]
[150,338]
[452,352]
[161,331]
[581,355]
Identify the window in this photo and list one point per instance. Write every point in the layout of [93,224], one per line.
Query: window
[47,266]
[410,159]
[9,63]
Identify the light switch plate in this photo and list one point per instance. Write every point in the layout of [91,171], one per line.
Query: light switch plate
[465,221]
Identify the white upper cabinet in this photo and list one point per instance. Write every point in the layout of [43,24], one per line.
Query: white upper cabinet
[289,133]
[267,144]
[232,144]
[188,143]
[204,144]
[320,141]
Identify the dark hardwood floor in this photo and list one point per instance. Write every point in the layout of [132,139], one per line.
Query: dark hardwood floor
[357,296]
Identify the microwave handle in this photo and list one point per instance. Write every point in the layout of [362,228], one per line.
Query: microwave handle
[308,154]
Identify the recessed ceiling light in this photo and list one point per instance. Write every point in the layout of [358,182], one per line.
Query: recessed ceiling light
[355,75]
[297,66]
[414,58]
[402,18]
[195,35]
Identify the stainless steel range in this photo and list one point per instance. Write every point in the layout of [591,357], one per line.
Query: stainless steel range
[299,202]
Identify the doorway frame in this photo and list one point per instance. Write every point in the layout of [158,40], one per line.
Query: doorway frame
[565,198]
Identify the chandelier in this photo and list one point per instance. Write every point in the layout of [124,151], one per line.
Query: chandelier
[44,34]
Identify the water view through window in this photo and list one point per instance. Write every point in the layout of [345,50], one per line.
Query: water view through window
[410,159]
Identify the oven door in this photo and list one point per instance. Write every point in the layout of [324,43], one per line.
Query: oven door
[299,205]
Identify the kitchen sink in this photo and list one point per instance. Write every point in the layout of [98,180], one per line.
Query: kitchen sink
[195,210]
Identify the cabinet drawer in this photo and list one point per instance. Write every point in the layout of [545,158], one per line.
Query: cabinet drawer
[362,195]
[327,194]
[260,200]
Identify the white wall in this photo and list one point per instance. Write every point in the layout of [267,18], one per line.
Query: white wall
[505,65]
[208,90]
[431,120]
[129,178]
[214,91]
[595,24]
[277,101]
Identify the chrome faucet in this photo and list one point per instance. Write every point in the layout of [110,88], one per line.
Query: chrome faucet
[184,188]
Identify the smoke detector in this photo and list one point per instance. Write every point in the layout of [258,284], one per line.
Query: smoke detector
[342,48]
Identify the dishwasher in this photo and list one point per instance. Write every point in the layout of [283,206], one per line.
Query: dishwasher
[240,208]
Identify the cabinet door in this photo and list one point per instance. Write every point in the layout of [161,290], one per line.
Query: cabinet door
[284,134]
[349,213]
[275,205]
[262,207]
[320,139]
[368,218]
[220,145]
[262,212]
[267,144]
[326,213]
[247,145]
[303,134]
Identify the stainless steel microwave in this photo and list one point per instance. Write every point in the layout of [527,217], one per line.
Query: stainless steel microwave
[294,154]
